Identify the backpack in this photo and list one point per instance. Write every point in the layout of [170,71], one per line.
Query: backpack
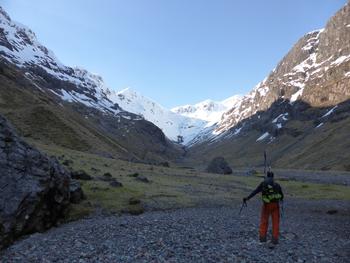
[271,192]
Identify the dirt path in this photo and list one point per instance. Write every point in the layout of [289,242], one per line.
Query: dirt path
[308,234]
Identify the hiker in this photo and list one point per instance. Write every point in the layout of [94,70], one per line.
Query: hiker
[271,195]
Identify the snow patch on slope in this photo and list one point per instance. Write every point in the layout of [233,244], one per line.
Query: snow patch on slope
[262,137]
[330,111]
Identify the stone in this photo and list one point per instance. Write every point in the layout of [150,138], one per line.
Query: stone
[332,211]
[109,175]
[115,183]
[134,175]
[142,178]
[95,170]
[81,175]
[67,162]
[134,201]
[76,193]
[219,166]
[164,164]
[36,190]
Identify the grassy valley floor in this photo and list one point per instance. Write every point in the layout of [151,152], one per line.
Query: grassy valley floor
[190,216]
[180,187]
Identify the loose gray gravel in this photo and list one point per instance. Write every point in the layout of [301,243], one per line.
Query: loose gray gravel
[308,234]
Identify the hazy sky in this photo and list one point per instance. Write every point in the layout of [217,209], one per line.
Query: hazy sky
[173,51]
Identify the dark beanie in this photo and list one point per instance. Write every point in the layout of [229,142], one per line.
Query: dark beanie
[269,174]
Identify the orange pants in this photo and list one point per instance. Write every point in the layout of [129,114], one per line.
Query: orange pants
[267,210]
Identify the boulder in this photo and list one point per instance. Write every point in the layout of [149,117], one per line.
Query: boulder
[81,175]
[109,175]
[142,178]
[134,201]
[164,164]
[219,166]
[35,190]
[76,193]
[115,183]
[67,162]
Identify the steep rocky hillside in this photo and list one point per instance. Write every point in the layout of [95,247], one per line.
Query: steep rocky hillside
[316,71]
[51,103]
[300,112]
[44,118]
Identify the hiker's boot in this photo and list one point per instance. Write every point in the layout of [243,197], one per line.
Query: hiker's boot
[262,239]
[274,241]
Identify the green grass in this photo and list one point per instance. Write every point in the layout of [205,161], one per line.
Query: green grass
[305,190]
[77,211]
[110,198]
[172,187]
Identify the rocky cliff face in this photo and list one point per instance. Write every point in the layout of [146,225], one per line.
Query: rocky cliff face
[300,112]
[316,71]
[35,191]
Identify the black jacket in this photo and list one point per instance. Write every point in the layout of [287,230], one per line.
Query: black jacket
[260,187]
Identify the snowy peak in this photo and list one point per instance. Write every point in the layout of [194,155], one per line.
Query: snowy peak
[19,45]
[132,101]
[232,101]
[208,110]
[174,126]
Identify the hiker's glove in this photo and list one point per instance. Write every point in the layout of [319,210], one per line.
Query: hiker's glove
[245,199]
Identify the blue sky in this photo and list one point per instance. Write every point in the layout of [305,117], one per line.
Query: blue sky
[173,51]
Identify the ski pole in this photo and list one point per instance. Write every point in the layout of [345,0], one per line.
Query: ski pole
[265,163]
[244,204]
[282,209]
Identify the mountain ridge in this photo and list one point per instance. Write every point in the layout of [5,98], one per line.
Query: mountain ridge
[300,111]
[305,86]
[19,45]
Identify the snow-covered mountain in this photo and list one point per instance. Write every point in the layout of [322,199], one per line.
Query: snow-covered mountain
[301,109]
[293,79]
[172,124]
[19,45]
[307,73]
[314,73]
[208,110]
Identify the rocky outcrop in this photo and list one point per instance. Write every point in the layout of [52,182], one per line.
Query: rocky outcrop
[219,166]
[315,71]
[35,191]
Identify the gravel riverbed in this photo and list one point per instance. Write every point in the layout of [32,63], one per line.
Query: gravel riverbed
[308,234]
